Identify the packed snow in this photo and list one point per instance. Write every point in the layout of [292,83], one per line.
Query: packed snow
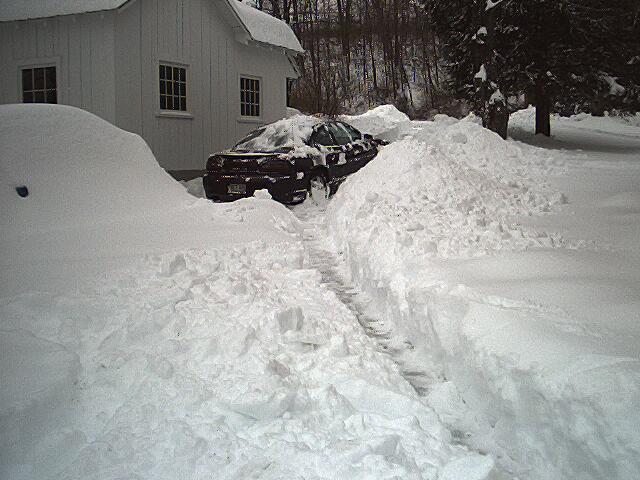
[149,334]
[510,273]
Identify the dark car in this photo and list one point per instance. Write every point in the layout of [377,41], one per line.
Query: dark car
[290,158]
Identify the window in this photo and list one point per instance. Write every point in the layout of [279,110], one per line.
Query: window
[353,132]
[173,88]
[321,136]
[290,85]
[39,85]
[249,97]
[340,134]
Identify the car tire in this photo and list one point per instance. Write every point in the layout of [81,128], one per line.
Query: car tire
[319,189]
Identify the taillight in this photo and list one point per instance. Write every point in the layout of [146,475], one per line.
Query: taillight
[215,163]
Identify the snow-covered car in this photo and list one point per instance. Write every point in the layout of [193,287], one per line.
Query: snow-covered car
[290,158]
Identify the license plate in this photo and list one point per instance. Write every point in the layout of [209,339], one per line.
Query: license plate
[237,189]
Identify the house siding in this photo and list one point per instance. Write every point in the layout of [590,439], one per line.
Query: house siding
[108,65]
[192,33]
[82,48]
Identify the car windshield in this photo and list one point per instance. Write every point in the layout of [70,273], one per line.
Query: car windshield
[282,135]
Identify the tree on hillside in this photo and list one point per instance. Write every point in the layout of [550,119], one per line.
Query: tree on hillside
[573,51]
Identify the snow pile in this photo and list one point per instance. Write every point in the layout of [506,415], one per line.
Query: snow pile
[218,364]
[530,348]
[385,121]
[97,192]
[265,28]
[169,337]
[78,168]
[195,187]
[449,190]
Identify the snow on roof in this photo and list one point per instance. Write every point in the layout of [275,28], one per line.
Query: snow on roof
[264,28]
[26,9]
[261,26]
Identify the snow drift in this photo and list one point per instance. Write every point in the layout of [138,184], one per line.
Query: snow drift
[433,231]
[148,334]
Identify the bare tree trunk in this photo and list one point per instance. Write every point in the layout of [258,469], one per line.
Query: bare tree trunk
[543,108]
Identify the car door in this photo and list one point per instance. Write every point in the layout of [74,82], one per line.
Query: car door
[364,151]
[332,155]
[345,145]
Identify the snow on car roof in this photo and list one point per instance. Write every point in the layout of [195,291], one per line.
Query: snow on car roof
[265,28]
[289,132]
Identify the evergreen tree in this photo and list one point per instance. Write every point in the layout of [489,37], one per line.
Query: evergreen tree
[563,54]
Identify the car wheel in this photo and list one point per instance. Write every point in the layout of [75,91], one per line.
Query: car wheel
[319,189]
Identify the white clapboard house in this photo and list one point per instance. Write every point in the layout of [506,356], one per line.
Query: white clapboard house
[190,76]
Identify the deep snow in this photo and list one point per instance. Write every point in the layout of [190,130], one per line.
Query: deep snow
[513,272]
[145,333]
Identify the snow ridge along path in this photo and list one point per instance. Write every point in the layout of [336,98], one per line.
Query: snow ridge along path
[173,338]
[514,271]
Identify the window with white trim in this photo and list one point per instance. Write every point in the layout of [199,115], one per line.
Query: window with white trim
[173,88]
[39,85]
[249,97]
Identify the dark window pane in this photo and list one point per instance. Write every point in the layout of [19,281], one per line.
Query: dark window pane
[27,97]
[52,96]
[168,76]
[257,86]
[183,104]
[163,87]
[38,78]
[50,77]
[27,79]
[243,109]
[183,89]
[162,72]
[176,73]
[183,74]
[257,98]
[38,96]
[257,110]
[169,103]
[163,102]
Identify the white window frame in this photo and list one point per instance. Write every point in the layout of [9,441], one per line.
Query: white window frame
[40,63]
[173,113]
[250,118]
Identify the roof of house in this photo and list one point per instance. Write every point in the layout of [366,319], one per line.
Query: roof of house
[27,9]
[260,26]
[265,28]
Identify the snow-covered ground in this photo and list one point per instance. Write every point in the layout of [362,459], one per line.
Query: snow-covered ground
[149,334]
[466,308]
[510,272]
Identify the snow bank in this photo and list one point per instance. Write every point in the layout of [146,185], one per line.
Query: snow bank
[78,168]
[207,351]
[228,363]
[496,314]
[385,121]
[97,193]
